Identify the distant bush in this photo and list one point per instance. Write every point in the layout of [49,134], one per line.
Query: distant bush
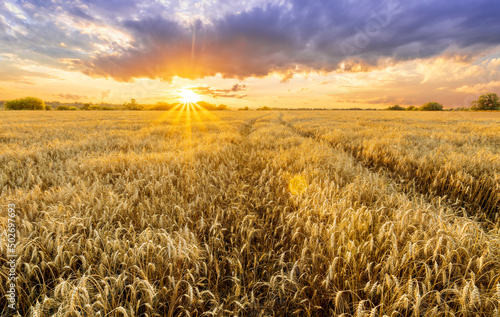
[243,109]
[132,105]
[210,106]
[264,108]
[94,107]
[73,108]
[486,102]
[431,106]
[61,107]
[396,107]
[28,103]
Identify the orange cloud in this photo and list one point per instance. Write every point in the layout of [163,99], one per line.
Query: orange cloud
[234,92]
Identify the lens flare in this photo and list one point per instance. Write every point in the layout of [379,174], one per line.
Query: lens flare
[297,185]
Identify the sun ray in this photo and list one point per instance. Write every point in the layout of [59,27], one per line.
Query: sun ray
[167,115]
[192,116]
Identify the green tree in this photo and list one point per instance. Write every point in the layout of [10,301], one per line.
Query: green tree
[486,102]
[28,103]
[132,105]
[396,107]
[264,108]
[62,107]
[411,108]
[431,106]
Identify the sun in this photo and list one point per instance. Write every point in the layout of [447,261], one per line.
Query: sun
[188,96]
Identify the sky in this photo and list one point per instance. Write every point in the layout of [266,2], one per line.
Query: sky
[296,53]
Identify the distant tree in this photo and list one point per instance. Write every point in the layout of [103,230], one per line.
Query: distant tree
[132,105]
[95,107]
[431,106]
[222,107]
[243,109]
[86,106]
[264,108]
[486,102]
[396,107]
[62,107]
[73,108]
[28,103]
[411,108]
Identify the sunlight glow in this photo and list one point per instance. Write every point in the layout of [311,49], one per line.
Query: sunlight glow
[193,118]
[188,96]
[297,185]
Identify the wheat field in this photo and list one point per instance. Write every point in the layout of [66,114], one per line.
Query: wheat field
[255,213]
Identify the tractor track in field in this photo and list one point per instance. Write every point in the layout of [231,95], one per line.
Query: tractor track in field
[264,206]
[246,128]
[412,185]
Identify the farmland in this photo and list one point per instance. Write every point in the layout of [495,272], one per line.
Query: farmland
[255,213]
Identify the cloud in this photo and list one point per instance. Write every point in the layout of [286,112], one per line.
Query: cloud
[298,34]
[70,96]
[12,73]
[132,39]
[105,93]
[287,76]
[234,92]
[453,83]
[480,87]
[36,38]
[80,13]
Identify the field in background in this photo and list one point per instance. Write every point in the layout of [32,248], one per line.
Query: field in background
[253,213]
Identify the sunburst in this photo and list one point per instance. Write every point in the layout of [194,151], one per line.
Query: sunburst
[190,114]
[188,96]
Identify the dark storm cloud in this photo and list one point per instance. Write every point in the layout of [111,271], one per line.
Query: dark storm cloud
[293,36]
[252,43]
[78,12]
[310,36]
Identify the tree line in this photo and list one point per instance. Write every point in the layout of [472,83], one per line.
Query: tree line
[33,103]
[485,102]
